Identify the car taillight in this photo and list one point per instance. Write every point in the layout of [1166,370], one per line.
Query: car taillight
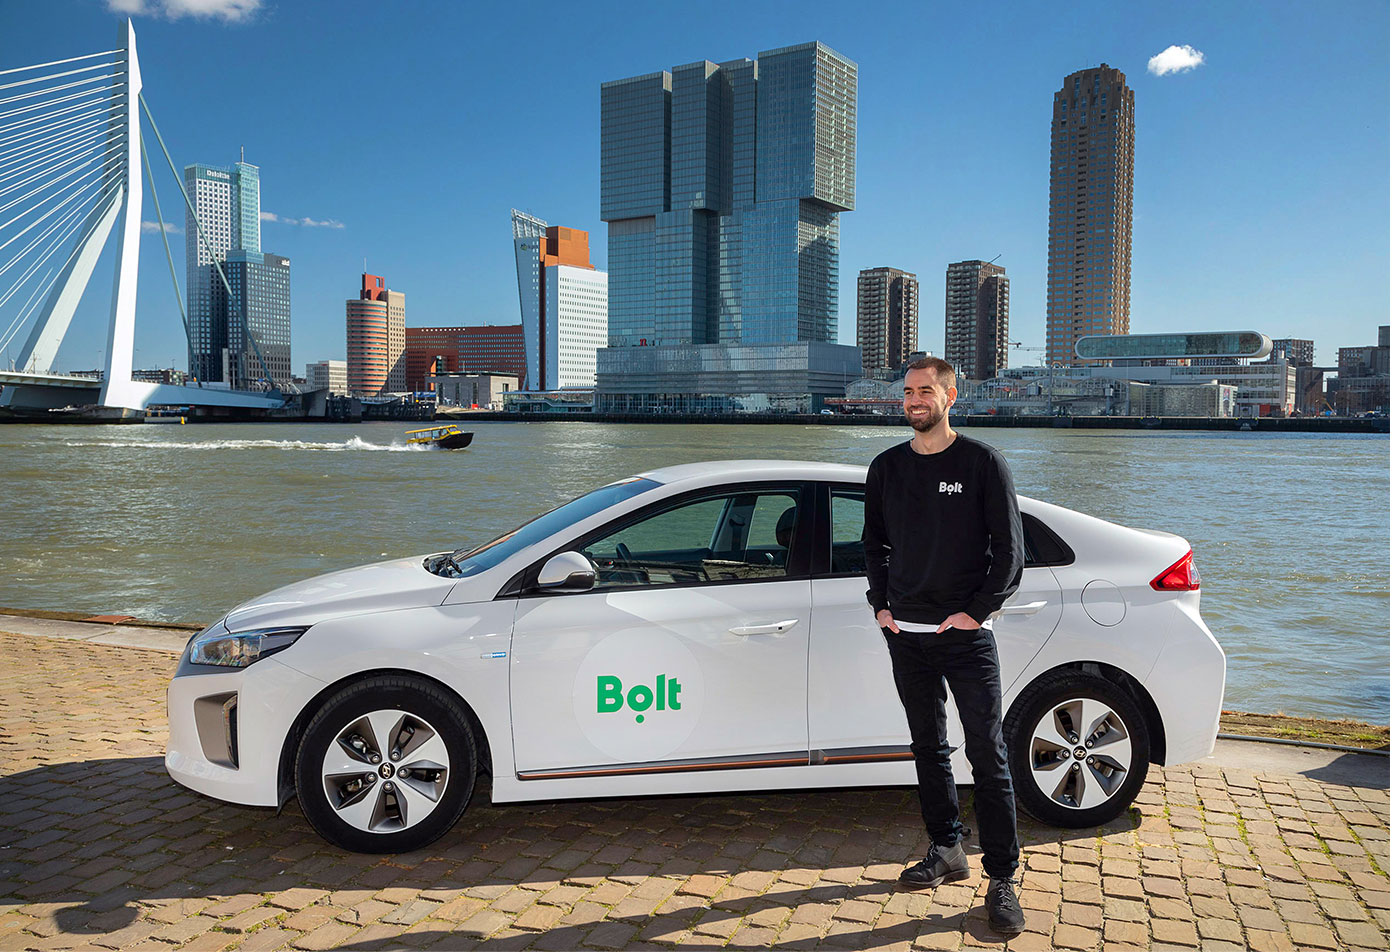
[1181,577]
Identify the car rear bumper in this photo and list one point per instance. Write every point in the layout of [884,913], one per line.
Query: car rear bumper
[1188,685]
[227,729]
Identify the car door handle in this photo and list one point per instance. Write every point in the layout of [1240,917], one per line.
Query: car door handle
[776,628]
[1029,608]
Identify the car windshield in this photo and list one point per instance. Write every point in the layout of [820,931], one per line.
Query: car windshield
[470,561]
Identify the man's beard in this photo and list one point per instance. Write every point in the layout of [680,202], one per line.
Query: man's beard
[933,419]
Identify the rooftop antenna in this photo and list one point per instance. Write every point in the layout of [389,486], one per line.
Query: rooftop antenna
[994,260]
[240,154]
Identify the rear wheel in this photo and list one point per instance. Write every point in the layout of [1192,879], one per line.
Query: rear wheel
[386,765]
[1079,748]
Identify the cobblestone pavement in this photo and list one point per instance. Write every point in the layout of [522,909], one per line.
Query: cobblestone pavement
[100,849]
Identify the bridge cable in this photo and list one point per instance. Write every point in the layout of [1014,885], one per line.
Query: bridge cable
[97,118]
[115,64]
[71,59]
[97,106]
[90,139]
[160,217]
[103,187]
[6,337]
[252,338]
[55,89]
[91,155]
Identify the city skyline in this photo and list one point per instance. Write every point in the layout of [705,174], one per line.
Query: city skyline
[1236,221]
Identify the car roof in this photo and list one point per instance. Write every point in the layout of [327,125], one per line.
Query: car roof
[758,469]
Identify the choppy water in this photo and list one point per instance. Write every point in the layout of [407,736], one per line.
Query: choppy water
[1291,531]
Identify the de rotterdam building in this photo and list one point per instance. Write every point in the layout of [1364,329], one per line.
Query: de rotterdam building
[722,185]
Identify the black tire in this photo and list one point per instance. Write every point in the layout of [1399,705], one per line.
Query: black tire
[416,698]
[1048,695]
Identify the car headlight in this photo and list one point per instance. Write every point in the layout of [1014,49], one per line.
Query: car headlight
[217,645]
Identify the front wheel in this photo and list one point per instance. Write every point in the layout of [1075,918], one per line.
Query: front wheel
[386,765]
[1079,749]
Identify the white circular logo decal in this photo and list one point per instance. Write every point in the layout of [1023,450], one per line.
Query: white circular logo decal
[638,695]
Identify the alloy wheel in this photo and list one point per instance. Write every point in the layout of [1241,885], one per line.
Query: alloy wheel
[385,771]
[1080,753]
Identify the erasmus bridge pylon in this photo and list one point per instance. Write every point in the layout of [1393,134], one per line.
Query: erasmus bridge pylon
[71,153]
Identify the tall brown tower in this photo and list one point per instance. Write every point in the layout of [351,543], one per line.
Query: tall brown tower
[887,320]
[1090,263]
[977,318]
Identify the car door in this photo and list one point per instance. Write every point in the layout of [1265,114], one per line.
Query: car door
[854,711]
[690,651]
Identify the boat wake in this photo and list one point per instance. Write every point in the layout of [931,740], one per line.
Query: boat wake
[354,444]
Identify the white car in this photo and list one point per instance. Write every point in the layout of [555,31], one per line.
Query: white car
[698,628]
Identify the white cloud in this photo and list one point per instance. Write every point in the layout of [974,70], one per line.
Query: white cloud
[154,226]
[230,11]
[304,221]
[1175,59]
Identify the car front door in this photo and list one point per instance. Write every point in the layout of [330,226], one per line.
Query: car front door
[855,712]
[690,650]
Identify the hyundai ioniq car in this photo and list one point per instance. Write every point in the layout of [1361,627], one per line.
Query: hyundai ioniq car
[693,629]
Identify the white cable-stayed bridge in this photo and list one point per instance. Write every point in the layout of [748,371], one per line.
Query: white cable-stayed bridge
[71,157]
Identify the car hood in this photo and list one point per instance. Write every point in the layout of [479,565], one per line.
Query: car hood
[382,586]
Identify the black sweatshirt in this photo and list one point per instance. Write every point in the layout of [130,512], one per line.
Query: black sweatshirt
[942,532]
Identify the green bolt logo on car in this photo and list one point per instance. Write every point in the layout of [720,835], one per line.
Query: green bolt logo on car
[666,696]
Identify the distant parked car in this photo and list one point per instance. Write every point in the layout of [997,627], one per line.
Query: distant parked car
[699,628]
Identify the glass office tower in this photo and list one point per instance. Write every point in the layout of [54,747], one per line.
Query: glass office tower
[223,329]
[721,186]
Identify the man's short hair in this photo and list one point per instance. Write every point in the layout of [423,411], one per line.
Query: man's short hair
[942,370]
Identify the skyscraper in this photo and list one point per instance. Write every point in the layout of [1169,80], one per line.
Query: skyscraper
[721,186]
[224,345]
[977,318]
[374,338]
[887,320]
[257,319]
[563,303]
[1089,272]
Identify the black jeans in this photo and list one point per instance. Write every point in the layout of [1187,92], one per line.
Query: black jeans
[967,661]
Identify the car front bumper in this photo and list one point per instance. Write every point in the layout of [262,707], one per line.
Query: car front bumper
[227,727]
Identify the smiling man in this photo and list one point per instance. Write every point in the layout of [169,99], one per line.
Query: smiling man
[943,552]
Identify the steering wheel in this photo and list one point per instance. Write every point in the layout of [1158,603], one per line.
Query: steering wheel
[624,556]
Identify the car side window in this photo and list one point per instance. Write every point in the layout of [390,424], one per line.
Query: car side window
[847,526]
[848,523]
[739,536]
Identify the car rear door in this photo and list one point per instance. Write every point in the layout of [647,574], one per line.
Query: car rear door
[690,652]
[854,711]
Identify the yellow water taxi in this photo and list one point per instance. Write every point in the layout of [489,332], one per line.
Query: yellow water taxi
[447,437]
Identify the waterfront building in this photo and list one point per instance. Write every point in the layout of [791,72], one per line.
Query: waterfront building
[549,401]
[1362,384]
[1265,384]
[224,344]
[977,318]
[563,304]
[374,339]
[257,353]
[484,349]
[887,320]
[1309,380]
[476,390]
[722,185]
[1089,271]
[328,375]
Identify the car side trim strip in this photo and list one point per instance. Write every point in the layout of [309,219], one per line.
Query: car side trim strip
[796,758]
[861,755]
[841,755]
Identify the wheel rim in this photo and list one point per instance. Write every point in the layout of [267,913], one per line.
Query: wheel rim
[385,771]
[1080,753]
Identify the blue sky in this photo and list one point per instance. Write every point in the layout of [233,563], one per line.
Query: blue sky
[408,130]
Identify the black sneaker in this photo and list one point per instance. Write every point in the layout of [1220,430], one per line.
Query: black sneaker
[1003,911]
[943,864]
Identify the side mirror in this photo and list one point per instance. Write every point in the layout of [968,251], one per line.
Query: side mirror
[568,572]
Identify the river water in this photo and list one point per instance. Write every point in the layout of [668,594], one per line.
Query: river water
[180,523]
